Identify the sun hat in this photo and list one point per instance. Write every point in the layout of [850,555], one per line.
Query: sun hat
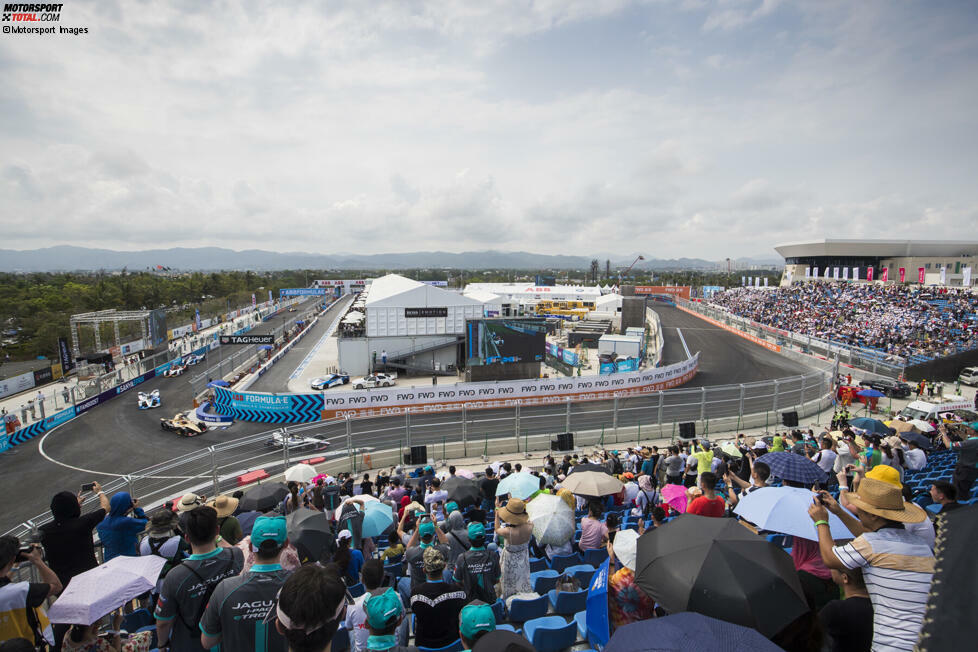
[382,606]
[514,512]
[344,534]
[434,560]
[474,618]
[885,473]
[885,499]
[189,502]
[269,528]
[160,525]
[626,548]
[224,505]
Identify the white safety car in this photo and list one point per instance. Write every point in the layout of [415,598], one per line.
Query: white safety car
[296,442]
[375,380]
[329,380]
[194,359]
[175,370]
[148,401]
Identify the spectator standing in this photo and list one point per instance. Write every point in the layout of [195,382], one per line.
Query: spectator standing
[384,618]
[67,540]
[966,470]
[674,466]
[515,557]
[455,533]
[235,614]
[477,570]
[488,489]
[163,541]
[310,608]
[628,603]
[897,566]
[371,576]
[848,623]
[709,504]
[189,586]
[435,499]
[21,603]
[349,560]
[825,457]
[475,621]
[120,532]
[944,494]
[423,538]
[228,524]
[436,604]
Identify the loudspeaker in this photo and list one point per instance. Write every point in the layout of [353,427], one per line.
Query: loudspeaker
[789,419]
[419,455]
[565,441]
[687,430]
[407,458]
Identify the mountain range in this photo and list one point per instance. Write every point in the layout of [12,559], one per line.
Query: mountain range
[71,258]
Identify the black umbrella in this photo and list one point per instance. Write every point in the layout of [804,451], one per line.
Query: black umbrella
[922,441]
[463,491]
[719,568]
[687,631]
[264,497]
[600,468]
[311,534]
[954,591]
[351,519]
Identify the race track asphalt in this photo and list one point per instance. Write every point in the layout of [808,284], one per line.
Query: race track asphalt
[118,438]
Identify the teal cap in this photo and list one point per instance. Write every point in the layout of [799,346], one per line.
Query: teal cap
[426,529]
[474,618]
[451,507]
[381,608]
[269,528]
[476,530]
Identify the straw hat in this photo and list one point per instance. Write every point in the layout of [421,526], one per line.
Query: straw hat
[885,499]
[514,512]
[189,502]
[224,505]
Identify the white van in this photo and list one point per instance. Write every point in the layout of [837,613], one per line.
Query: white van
[969,376]
[927,411]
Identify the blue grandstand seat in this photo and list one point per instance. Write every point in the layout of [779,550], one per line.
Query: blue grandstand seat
[340,641]
[538,564]
[543,581]
[568,603]
[357,590]
[521,610]
[560,562]
[582,573]
[595,556]
[550,633]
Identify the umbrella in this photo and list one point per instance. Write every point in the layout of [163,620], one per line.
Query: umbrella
[265,347]
[590,466]
[900,426]
[301,473]
[552,518]
[465,473]
[519,485]
[870,425]
[264,497]
[870,393]
[101,590]
[311,534]
[687,631]
[922,426]
[954,591]
[366,498]
[592,483]
[917,438]
[626,548]
[377,519]
[731,449]
[794,467]
[719,568]
[463,491]
[219,383]
[675,496]
[785,510]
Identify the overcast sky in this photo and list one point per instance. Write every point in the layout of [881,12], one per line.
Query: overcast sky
[668,128]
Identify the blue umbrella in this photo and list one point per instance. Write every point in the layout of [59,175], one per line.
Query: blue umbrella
[794,467]
[265,347]
[519,485]
[870,425]
[871,393]
[917,438]
[688,630]
[377,518]
[785,510]
[219,383]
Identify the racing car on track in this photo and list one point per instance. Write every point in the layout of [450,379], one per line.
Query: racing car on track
[375,380]
[329,380]
[296,442]
[185,424]
[194,359]
[148,401]
[175,370]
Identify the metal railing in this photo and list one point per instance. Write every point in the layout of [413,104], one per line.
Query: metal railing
[891,366]
[346,444]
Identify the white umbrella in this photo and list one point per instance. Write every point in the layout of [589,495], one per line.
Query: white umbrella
[552,518]
[626,548]
[922,426]
[302,473]
[785,509]
[364,497]
[592,483]
[103,589]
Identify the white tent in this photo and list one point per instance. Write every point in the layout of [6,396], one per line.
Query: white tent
[399,306]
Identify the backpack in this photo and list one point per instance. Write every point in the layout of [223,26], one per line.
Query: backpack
[155,545]
[649,504]
[235,555]
[616,466]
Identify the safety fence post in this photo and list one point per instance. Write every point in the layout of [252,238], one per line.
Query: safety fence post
[614,419]
[407,427]
[485,451]
[285,444]
[639,437]
[465,450]
[661,400]
[567,427]
[217,487]
[349,443]
[601,443]
[443,449]
[526,441]
[516,426]
[740,410]
[673,438]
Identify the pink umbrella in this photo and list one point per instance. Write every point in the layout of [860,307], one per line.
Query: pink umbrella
[465,473]
[675,496]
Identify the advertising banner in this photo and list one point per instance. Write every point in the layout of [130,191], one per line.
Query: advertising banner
[424,313]
[302,292]
[766,279]
[743,281]
[478,396]
[64,353]
[835,273]
[42,376]
[885,274]
[56,372]
[58,418]
[815,273]
[944,275]
[920,275]
[16,384]
[269,296]
[710,290]
[254,300]
[437,284]
[269,408]
[681,291]
[855,273]
[157,328]
[903,274]
[757,281]
[845,273]
[197,319]
[966,276]
[869,274]
[248,339]
[808,272]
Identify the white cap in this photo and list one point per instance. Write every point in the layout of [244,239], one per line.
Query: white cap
[760,443]
[344,534]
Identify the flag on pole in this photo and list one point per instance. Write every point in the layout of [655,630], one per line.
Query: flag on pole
[808,272]
[944,275]
[885,274]
[757,281]
[855,273]
[903,274]
[845,273]
[743,281]
[920,275]
[966,276]
[765,281]
[869,274]
[835,273]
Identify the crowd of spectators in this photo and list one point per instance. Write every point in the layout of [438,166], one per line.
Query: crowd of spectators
[234,579]
[896,319]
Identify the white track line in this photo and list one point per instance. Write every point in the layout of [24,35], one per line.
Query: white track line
[315,349]
[683,340]
[40,449]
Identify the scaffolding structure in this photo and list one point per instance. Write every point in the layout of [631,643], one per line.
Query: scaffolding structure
[96,319]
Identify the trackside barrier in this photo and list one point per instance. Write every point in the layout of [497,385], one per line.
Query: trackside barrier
[344,443]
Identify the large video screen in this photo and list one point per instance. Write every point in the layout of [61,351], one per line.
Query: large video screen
[502,341]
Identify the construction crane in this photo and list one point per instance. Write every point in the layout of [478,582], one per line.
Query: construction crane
[635,262]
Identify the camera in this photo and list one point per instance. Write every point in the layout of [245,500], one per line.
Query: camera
[88,486]
[24,551]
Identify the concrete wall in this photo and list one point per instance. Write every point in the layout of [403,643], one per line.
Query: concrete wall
[946,369]
[353,356]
